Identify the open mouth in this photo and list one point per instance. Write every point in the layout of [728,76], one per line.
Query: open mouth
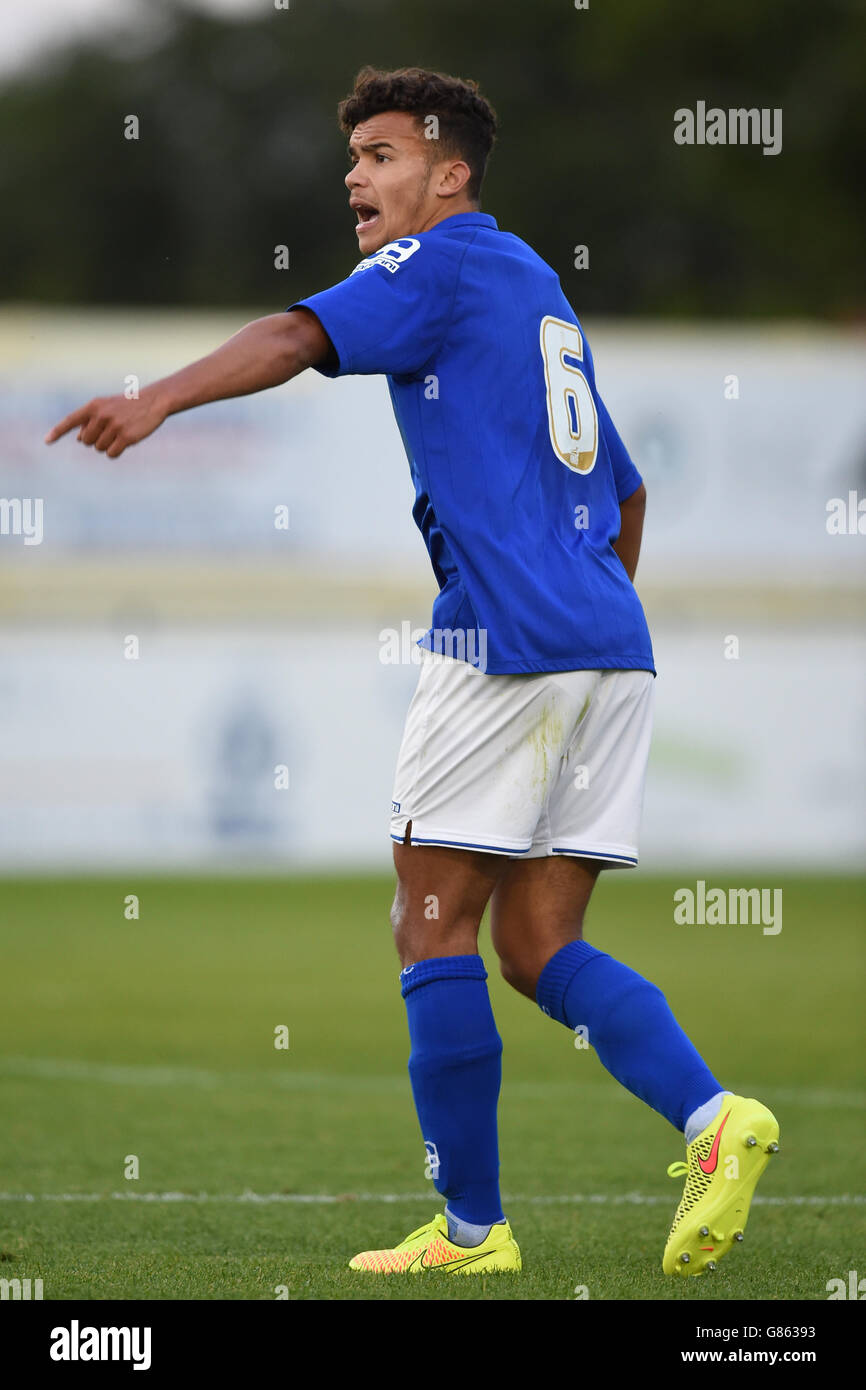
[367,215]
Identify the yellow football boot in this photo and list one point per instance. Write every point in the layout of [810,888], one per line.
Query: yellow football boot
[722,1169]
[429,1248]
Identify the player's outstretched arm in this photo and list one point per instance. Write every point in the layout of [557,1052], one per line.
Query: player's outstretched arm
[627,544]
[267,352]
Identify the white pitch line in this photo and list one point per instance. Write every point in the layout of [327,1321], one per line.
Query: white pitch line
[844,1199]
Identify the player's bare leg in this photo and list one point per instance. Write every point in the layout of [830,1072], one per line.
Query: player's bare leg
[538,906]
[440,899]
[537,919]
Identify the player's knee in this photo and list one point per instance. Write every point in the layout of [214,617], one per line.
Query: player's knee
[419,936]
[520,974]
[413,937]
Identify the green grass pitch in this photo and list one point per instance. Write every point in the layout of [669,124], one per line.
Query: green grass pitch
[155,1038]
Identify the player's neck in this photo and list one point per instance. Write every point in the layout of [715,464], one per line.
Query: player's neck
[449,209]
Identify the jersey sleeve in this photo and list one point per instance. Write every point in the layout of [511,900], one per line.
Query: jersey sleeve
[391,314]
[626,477]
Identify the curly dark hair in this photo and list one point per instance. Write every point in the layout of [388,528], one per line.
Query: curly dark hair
[467,122]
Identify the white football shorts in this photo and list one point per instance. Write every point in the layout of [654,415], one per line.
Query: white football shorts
[524,765]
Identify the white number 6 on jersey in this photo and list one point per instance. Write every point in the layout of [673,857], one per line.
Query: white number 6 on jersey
[571,414]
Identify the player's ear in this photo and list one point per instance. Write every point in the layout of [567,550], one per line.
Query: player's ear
[455,176]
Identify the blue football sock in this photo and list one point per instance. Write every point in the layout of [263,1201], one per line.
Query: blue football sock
[455,1067]
[631,1028]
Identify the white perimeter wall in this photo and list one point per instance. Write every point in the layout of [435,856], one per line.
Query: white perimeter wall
[260,647]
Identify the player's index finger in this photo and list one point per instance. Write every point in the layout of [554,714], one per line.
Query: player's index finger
[76,418]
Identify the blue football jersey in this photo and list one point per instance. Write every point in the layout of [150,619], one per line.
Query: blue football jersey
[518,469]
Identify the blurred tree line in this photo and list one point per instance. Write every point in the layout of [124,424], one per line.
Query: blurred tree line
[239,151]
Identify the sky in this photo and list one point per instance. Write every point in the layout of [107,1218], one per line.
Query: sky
[32,31]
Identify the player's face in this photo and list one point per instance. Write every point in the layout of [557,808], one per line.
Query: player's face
[391,181]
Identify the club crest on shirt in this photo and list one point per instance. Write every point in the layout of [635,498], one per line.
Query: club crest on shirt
[391,256]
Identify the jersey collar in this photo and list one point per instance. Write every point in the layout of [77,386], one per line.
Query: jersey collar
[465,219]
